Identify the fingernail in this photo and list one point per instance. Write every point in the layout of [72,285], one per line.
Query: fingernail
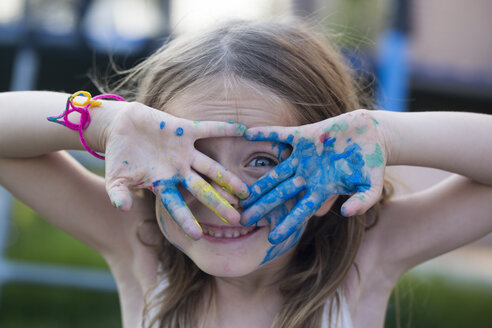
[343,211]
[275,239]
[246,222]
[118,204]
[199,226]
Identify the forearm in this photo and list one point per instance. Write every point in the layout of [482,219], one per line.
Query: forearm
[451,141]
[26,132]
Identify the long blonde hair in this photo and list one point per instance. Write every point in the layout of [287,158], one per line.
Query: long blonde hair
[302,68]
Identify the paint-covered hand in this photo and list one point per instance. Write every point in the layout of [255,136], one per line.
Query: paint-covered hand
[147,148]
[344,155]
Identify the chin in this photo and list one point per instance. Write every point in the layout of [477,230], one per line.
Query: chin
[220,266]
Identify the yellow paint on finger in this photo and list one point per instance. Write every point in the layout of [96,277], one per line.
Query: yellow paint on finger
[198,224]
[226,185]
[208,192]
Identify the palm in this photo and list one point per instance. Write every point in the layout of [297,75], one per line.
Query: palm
[150,149]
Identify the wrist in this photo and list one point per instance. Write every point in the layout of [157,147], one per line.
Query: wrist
[386,127]
[102,116]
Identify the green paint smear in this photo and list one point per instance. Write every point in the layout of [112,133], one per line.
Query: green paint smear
[361,130]
[375,159]
[375,122]
[337,127]
[362,198]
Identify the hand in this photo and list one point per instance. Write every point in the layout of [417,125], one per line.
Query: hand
[338,156]
[147,148]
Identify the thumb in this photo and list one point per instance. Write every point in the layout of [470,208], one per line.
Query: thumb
[359,203]
[119,194]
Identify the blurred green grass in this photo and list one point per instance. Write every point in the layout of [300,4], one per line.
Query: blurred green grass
[27,305]
[421,302]
[35,306]
[431,301]
[34,239]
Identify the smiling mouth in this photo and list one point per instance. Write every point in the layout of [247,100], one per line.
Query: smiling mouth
[226,232]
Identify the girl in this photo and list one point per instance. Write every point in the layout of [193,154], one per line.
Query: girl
[283,256]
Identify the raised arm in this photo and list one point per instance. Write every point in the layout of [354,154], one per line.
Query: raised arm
[416,227]
[145,148]
[451,141]
[51,182]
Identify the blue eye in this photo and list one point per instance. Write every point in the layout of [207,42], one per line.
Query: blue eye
[262,161]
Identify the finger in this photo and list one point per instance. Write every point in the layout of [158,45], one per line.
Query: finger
[230,198]
[361,202]
[210,168]
[119,194]
[274,198]
[207,195]
[174,203]
[272,178]
[272,133]
[299,215]
[207,129]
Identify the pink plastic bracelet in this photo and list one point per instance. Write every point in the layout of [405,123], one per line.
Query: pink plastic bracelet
[83,110]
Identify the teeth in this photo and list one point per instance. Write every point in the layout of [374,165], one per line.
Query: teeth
[226,232]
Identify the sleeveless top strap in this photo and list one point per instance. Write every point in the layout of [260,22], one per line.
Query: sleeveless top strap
[344,319]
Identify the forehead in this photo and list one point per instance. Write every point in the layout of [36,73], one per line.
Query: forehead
[239,102]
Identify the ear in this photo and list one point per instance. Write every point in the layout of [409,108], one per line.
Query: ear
[326,206]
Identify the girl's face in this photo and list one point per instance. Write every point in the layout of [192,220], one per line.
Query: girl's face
[225,250]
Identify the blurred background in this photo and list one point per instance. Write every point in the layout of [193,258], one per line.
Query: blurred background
[412,56]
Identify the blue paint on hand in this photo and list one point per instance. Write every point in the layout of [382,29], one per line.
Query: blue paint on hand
[275,218]
[171,198]
[321,174]
[162,125]
[179,131]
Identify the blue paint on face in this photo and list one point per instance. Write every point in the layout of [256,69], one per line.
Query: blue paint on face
[274,218]
[125,162]
[179,132]
[320,175]
[163,124]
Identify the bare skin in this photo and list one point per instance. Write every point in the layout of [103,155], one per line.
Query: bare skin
[412,228]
